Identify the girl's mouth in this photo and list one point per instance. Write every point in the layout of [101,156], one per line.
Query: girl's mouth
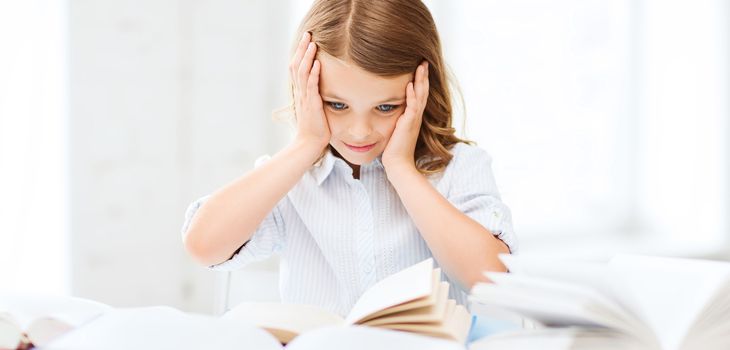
[362,148]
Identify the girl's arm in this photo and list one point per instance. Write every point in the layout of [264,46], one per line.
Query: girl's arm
[233,213]
[462,246]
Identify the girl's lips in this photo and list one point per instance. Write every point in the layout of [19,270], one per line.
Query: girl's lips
[360,148]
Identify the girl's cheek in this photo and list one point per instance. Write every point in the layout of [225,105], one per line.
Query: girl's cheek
[338,122]
[331,121]
[393,120]
[388,127]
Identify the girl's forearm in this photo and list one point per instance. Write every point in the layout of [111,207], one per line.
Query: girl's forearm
[462,246]
[233,213]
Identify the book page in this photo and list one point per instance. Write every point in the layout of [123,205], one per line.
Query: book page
[666,294]
[162,327]
[44,317]
[669,293]
[455,326]
[10,333]
[459,324]
[544,339]
[27,308]
[368,338]
[596,275]
[429,300]
[434,313]
[408,284]
[549,310]
[712,325]
[285,321]
[558,339]
[596,306]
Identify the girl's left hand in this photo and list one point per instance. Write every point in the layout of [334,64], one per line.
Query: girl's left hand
[399,151]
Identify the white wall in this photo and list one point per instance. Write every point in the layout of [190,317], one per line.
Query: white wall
[169,100]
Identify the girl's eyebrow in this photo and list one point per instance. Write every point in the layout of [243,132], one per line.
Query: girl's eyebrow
[391,99]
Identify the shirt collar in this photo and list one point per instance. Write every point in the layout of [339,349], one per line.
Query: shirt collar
[325,167]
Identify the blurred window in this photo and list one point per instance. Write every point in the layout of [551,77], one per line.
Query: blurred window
[604,118]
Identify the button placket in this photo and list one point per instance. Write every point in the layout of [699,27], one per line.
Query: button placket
[365,238]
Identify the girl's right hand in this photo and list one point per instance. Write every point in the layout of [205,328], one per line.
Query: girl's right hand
[312,127]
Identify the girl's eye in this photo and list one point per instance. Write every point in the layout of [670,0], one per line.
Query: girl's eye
[338,106]
[387,108]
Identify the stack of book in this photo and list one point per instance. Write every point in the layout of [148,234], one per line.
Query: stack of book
[630,302]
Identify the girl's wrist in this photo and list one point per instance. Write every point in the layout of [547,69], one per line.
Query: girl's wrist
[396,171]
[310,150]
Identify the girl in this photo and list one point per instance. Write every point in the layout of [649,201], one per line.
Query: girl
[375,179]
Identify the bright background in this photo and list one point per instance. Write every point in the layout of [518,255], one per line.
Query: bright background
[608,122]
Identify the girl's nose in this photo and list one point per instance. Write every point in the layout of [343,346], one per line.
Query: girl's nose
[360,130]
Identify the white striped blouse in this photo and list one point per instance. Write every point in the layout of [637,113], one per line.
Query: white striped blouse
[337,235]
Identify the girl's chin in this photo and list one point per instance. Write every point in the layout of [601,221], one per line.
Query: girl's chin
[356,158]
[359,160]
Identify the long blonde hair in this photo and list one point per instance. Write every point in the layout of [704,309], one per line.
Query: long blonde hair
[389,38]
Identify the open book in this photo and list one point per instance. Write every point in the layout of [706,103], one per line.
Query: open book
[28,319]
[166,328]
[413,300]
[631,302]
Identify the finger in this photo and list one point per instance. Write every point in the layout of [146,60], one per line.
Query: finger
[411,102]
[425,81]
[417,79]
[413,110]
[419,104]
[301,48]
[421,81]
[313,83]
[306,65]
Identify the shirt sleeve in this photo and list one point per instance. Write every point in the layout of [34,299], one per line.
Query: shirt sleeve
[268,238]
[474,192]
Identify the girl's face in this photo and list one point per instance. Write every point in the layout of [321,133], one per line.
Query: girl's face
[361,108]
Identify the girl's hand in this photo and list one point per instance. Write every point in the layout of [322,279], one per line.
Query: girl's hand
[312,128]
[399,151]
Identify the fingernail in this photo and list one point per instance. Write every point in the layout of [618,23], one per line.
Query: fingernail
[304,35]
